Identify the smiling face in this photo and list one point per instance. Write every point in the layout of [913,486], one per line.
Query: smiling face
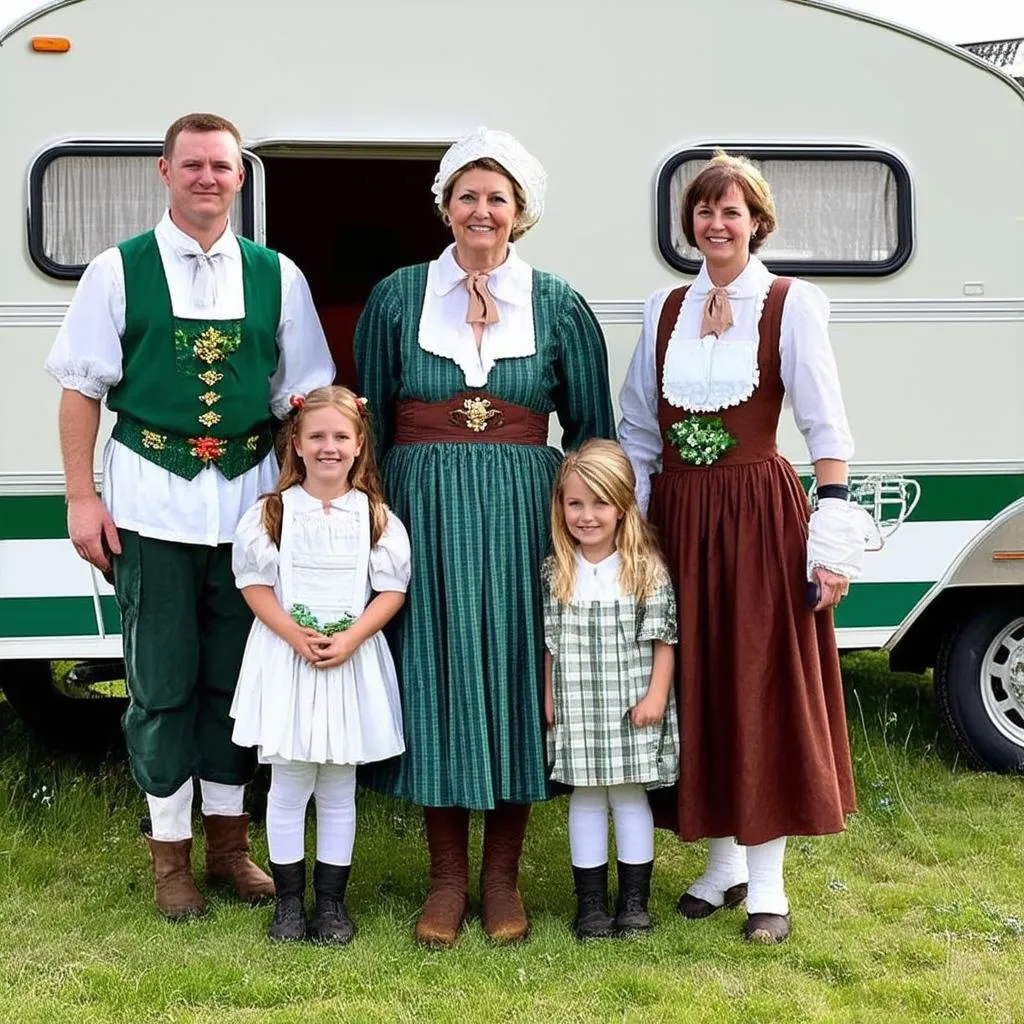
[328,442]
[722,230]
[592,521]
[482,212]
[203,174]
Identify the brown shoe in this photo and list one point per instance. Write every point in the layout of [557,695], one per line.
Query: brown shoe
[766,928]
[446,906]
[174,889]
[501,906]
[694,908]
[227,858]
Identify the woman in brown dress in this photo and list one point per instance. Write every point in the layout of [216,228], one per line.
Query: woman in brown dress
[765,752]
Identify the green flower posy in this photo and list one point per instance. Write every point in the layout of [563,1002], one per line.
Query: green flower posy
[700,440]
[304,617]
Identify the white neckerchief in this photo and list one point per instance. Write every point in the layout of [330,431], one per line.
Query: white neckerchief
[203,264]
[708,374]
[443,330]
[596,581]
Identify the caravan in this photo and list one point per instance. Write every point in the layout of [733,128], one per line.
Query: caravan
[892,157]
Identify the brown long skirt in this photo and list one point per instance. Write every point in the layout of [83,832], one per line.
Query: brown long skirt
[765,751]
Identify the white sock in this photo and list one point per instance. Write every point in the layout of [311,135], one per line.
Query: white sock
[727,866]
[335,795]
[588,826]
[291,786]
[766,893]
[219,798]
[172,815]
[634,823]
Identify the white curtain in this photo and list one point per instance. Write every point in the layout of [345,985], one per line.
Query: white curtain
[826,209]
[93,202]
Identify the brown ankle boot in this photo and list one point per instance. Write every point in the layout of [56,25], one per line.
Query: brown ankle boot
[177,897]
[501,906]
[227,857]
[446,906]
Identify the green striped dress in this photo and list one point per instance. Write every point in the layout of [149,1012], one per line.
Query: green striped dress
[469,643]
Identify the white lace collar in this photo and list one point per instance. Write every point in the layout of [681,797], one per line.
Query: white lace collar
[443,330]
[708,374]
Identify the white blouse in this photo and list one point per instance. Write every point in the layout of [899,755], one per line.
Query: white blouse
[255,558]
[86,357]
[443,330]
[708,374]
[596,581]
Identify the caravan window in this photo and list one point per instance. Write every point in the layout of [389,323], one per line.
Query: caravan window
[86,198]
[841,211]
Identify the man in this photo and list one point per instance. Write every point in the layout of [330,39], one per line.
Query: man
[195,338]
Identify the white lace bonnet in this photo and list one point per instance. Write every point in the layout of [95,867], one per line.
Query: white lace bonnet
[508,151]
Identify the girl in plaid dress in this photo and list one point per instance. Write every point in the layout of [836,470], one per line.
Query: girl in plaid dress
[609,627]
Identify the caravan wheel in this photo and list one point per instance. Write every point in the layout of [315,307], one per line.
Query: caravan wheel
[72,706]
[979,681]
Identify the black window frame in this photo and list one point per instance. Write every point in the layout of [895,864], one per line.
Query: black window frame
[804,268]
[70,271]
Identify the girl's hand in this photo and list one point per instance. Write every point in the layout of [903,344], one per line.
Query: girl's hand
[648,711]
[336,650]
[549,709]
[833,588]
[307,643]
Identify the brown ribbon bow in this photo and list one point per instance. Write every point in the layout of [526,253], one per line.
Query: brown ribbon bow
[482,309]
[716,316]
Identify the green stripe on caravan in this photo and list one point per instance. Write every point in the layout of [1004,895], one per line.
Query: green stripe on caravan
[56,616]
[944,498]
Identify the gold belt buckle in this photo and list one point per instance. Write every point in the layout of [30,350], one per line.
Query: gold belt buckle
[477,415]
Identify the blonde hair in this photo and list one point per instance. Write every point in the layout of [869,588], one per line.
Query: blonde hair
[605,469]
[716,179]
[363,476]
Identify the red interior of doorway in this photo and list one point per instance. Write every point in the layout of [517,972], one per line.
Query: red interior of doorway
[347,223]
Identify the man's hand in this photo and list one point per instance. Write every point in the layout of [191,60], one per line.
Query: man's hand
[92,531]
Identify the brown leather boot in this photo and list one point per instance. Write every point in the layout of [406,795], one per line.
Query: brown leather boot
[227,858]
[446,906]
[501,906]
[177,897]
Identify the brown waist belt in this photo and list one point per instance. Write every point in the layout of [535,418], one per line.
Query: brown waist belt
[469,416]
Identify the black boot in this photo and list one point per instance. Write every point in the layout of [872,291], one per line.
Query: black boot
[330,921]
[289,924]
[634,892]
[592,918]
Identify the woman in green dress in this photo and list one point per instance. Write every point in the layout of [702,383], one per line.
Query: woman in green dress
[462,360]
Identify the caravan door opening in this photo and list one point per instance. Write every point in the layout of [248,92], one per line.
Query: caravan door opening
[347,221]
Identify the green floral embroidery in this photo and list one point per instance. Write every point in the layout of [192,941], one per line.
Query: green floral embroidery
[700,440]
[304,617]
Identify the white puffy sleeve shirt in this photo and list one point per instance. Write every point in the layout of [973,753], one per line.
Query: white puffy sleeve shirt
[808,368]
[86,357]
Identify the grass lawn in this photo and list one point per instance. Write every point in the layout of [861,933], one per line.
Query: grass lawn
[914,914]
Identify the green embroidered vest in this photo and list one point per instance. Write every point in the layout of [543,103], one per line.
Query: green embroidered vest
[196,392]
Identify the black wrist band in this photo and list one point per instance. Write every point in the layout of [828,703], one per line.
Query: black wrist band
[840,491]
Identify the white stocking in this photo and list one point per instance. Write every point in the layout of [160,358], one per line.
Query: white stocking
[588,826]
[219,798]
[171,816]
[766,893]
[335,795]
[727,866]
[634,823]
[291,786]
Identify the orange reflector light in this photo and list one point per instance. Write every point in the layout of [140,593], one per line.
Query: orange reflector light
[51,44]
[1008,556]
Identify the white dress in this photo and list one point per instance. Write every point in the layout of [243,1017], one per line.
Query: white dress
[283,706]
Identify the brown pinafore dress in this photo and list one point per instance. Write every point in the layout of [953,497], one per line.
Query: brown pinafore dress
[765,751]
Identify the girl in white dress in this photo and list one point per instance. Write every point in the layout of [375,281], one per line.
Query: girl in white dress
[317,692]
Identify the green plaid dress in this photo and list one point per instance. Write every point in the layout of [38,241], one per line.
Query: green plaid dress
[469,643]
[602,655]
